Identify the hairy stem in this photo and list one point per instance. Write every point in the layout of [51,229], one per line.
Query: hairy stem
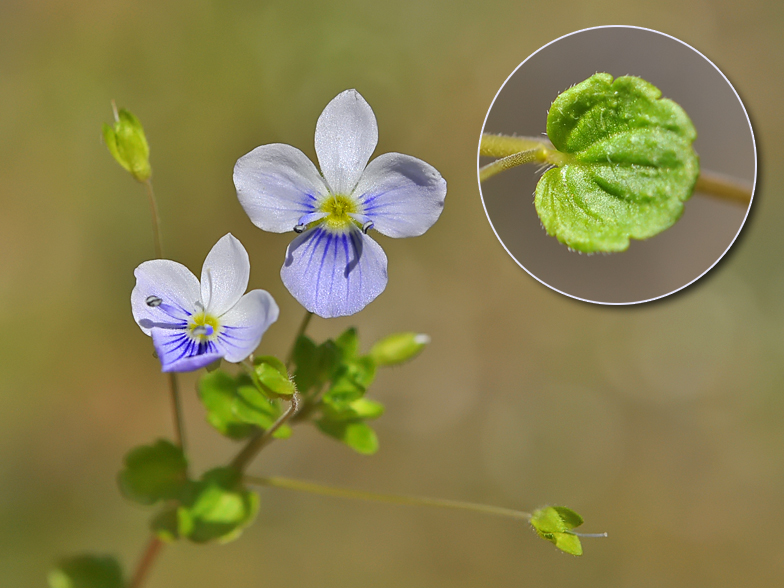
[505,145]
[245,456]
[514,151]
[151,551]
[720,186]
[312,488]
[536,155]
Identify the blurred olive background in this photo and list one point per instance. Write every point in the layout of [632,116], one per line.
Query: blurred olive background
[662,424]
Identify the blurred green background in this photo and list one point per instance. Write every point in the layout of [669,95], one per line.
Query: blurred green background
[661,424]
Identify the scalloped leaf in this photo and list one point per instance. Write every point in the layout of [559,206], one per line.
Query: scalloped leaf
[627,168]
[154,472]
[87,571]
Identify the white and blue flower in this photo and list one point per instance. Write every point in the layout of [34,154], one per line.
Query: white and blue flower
[193,324]
[333,268]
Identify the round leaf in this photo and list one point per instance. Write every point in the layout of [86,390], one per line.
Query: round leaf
[154,472]
[87,571]
[627,168]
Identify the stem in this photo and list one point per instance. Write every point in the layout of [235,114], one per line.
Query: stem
[156,219]
[245,456]
[720,186]
[504,145]
[300,331]
[312,488]
[179,427]
[515,151]
[537,155]
[151,551]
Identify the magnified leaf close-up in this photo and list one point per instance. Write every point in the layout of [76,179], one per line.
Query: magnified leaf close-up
[627,167]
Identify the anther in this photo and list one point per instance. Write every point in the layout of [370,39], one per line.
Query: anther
[203,330]
[367,226]
[153,301]
[299,229]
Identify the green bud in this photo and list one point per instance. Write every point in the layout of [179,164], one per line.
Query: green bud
[273,376]
[555,523]
[398,348]
[128,145]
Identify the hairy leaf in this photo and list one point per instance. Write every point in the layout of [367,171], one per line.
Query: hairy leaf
[627,168]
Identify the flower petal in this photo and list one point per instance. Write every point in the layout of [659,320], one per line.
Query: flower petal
[180,353]
[277,184]
[402,195]
[224,275]
[242,327]
[166,293]
[346,135]
[334,274]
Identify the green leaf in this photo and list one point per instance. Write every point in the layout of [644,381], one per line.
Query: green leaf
[356,434]
[365,408]
[553,523]
[87,571]
[251,406]
[315,363]
[398,348]
[154,472]
[166,524]
[627,168]
[348,343]
[128,145]
[273,376]
[218,508]
[218,392]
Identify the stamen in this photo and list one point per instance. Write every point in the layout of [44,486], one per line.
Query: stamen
[153,301]
[299,228]
[367,226]
[200,305]
[203,330]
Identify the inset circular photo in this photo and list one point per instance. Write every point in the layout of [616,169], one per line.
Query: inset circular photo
[617,165]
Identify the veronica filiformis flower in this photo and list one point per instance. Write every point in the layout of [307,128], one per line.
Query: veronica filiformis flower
[333,268]
[192,324]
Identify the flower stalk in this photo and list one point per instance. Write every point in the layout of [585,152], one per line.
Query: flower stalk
[323,490]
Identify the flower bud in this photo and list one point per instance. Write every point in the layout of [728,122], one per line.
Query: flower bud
[128,145]
[398,348]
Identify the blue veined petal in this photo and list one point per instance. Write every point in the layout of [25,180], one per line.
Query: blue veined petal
[334,273]
[165,294]
[242,326]
[276,185]
[178,352]
[402,195]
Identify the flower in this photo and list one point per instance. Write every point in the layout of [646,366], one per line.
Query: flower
[333,268]
[192,324]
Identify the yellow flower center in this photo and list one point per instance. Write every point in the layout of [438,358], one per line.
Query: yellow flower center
[338,207]
[203,327]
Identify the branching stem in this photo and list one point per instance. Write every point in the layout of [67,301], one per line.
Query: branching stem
[245,456]
[310,487]
[514,151]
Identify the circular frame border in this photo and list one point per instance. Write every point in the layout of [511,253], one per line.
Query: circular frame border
[718,259]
